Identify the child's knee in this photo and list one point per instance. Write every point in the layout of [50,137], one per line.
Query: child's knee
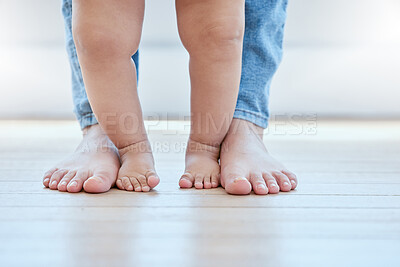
[222,37]
[98,42]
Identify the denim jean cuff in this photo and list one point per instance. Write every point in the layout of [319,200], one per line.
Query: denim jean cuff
[87,120]
[252,117]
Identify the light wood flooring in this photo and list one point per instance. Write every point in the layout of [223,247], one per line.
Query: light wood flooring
[345,212]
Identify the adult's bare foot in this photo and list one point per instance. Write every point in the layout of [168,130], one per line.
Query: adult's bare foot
[246,164]
[93,166]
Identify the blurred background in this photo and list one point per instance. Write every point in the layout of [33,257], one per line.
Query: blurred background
[342,60]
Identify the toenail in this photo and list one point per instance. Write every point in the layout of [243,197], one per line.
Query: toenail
[273,185]
[240,179]
[54,183]
[46,180]
[293,181]
[63,183]
[95,178]
[286,183]
[261,187]
[74,183]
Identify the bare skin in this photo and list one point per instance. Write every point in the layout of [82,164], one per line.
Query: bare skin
[247,166]
[202,167]
[93,166]
[137,172]
[212,33]
[107,33]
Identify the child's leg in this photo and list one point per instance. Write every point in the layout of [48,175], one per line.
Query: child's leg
[212,33]
[107,33]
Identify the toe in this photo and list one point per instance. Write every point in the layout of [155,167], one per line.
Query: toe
[55,178]
[292,177]
[101,181]
[47,176]
[143,183]
[215,180]
[152,179]
[198,181]
[62,185]
[136,184]
[96,184]
[236,184]
[207,182]
[283,181]
[186,180]
[76,184]
[258,184]
[126,183]
[119,184]
[273,187]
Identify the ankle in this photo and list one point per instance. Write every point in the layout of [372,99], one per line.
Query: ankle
[195,147]
[136,147]
[212,144]
[94,139]
[239,126]
[93,131]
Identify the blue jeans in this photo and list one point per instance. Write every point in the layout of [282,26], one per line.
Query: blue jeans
[262,53]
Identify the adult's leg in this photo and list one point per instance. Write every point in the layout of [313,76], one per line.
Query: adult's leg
[245,162]
[262,54]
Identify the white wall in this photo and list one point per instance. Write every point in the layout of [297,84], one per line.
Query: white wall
[341,59]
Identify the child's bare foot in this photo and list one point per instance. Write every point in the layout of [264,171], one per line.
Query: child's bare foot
[93,166]
[111,31]
[201,166]
[246,164]
[137,172]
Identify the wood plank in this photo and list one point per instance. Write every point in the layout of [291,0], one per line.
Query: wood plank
[164,199]
[206,250]
[345,212]
[203,215]
[380,189]
[189,230]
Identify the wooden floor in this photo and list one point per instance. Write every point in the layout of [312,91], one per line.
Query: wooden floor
[345,212]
